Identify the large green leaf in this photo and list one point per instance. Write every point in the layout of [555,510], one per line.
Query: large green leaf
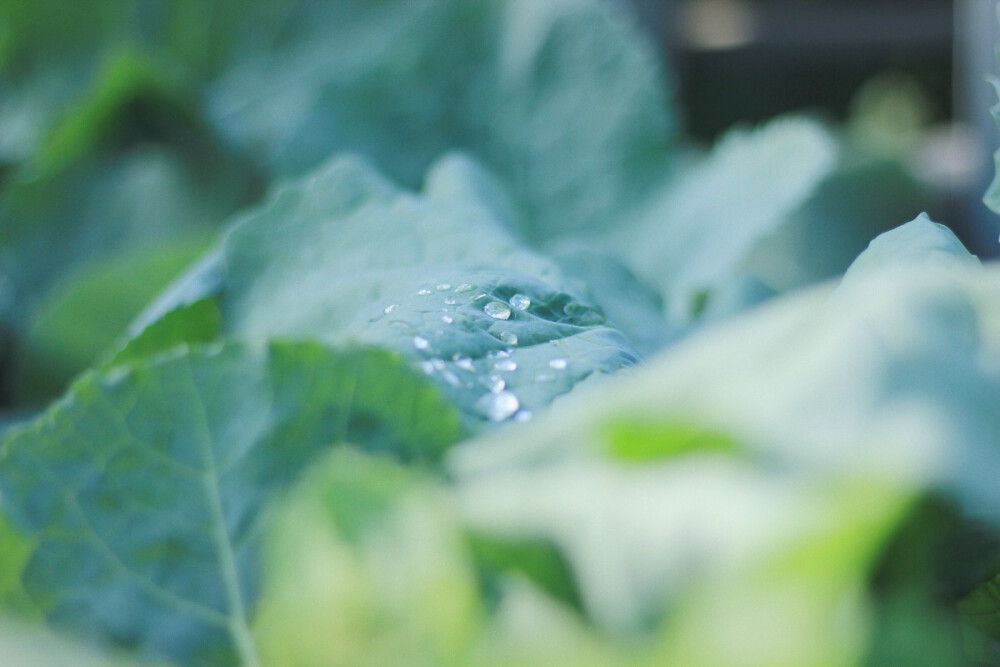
[345,255]
[514,81]
[143,491]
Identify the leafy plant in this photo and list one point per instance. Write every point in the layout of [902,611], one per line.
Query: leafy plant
[498,371]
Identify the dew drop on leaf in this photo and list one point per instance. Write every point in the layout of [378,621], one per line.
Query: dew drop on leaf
[494,383]
[497,310]
[508,337]
[465,363]
[520,302]
[421,343]
[499,407]
[558,364]
[505,365]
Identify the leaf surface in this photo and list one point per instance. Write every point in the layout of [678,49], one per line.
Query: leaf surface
[344,255]
[144,490]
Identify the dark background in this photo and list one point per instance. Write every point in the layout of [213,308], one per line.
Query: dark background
[815,55]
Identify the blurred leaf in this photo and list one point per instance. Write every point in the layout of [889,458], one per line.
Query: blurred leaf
[13,559]
[144,489]
[83,316]
[638,442]
[861,199]
[921,243]
[803,603]
[695,234]
[31,647]
[197,322]
[100,209]
[390,584]
[514,81]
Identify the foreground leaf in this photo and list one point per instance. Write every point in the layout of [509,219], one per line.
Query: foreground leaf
[144,490]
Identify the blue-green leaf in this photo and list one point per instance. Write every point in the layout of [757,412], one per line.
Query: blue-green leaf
[143,491]
[344,255]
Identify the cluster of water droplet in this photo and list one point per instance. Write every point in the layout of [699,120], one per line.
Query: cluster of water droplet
[492,372]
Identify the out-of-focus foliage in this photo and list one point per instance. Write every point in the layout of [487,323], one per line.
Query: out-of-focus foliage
[291,446]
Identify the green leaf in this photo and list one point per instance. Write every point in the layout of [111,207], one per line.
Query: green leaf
[888,384]
[196,322]
[637,442]
[82,317]
[101,208]
[144,489]
[13,559]
[365,566]
[864,197]
[513,81]
[804,601]
[345,255]
[921,243]
[634,308]
[22,646]
[695,235]
[898,372]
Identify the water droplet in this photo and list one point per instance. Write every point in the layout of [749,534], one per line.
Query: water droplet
[451,379]
[424,292]
[558,364]
[465,287]
[450,301]
[494,383]
[427,367]
[447,319]
[520,302]
[443,287]
[438,364]
[506,365]
[498,310]
[508,337]
[544,377]
[523,416]
[499,407]
[390,308]
[480,296]
[465,363]
[421,343]
[498,354]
